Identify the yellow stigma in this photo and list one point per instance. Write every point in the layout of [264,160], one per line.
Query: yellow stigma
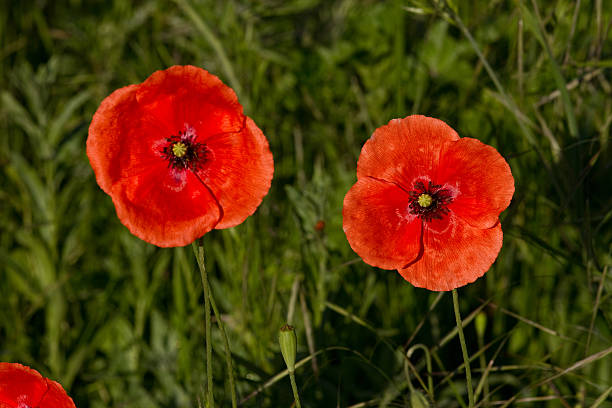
[179,149]
[425,200]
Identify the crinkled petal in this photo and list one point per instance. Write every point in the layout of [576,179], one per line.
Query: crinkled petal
[188,95]
[404,149]
[108,131]
[22,386]
[55,397]
[481,179]
[239,171]
[378,225]
[455,254]
[166,207]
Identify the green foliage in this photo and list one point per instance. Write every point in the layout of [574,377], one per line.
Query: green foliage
[120,323]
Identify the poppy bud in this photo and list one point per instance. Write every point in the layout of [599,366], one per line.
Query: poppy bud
[288,345]
[418,400]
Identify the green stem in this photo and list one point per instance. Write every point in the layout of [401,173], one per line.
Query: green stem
[199,251]
[294,388]
[466,359]
[228,354]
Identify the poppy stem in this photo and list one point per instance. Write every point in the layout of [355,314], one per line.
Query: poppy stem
[296,395]
[466,359]
[199,252]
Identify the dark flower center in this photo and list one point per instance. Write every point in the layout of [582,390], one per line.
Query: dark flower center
[429,202]
[183,152]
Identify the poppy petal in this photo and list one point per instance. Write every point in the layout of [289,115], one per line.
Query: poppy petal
[404,149]
[107,133]
[239,172]
[22,386]
[166,207]
[188,95]
[480,176]
[454,255]
[55,397]
[378,226]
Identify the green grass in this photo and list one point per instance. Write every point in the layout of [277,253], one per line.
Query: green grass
[120,323]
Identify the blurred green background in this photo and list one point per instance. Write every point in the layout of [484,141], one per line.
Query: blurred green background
[120,323]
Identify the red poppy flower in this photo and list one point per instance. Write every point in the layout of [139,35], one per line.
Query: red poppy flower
[427,203]
[178,156]
[22,387]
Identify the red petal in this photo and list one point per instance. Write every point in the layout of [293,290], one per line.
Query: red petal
[21,385]
[454,255]
[378,226]
[107,133]
[481,178]
[188,95]
[239,172]
[404,149]
[166,207]
[55,397]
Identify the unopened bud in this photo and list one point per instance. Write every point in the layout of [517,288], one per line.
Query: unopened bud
[288,345]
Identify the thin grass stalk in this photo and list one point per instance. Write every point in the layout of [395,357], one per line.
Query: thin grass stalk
[466,358]
[228,354]
[483,368]
[430,389]
[440,364]
[595,309]
[214,42]
[199,252]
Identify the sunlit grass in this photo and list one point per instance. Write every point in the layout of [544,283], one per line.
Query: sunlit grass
[120,323]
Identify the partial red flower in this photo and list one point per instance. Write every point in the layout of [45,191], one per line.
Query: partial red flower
[23,387]
[427,203]
[178,156]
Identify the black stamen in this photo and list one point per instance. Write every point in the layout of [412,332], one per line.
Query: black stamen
[440,198]
[195,153]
